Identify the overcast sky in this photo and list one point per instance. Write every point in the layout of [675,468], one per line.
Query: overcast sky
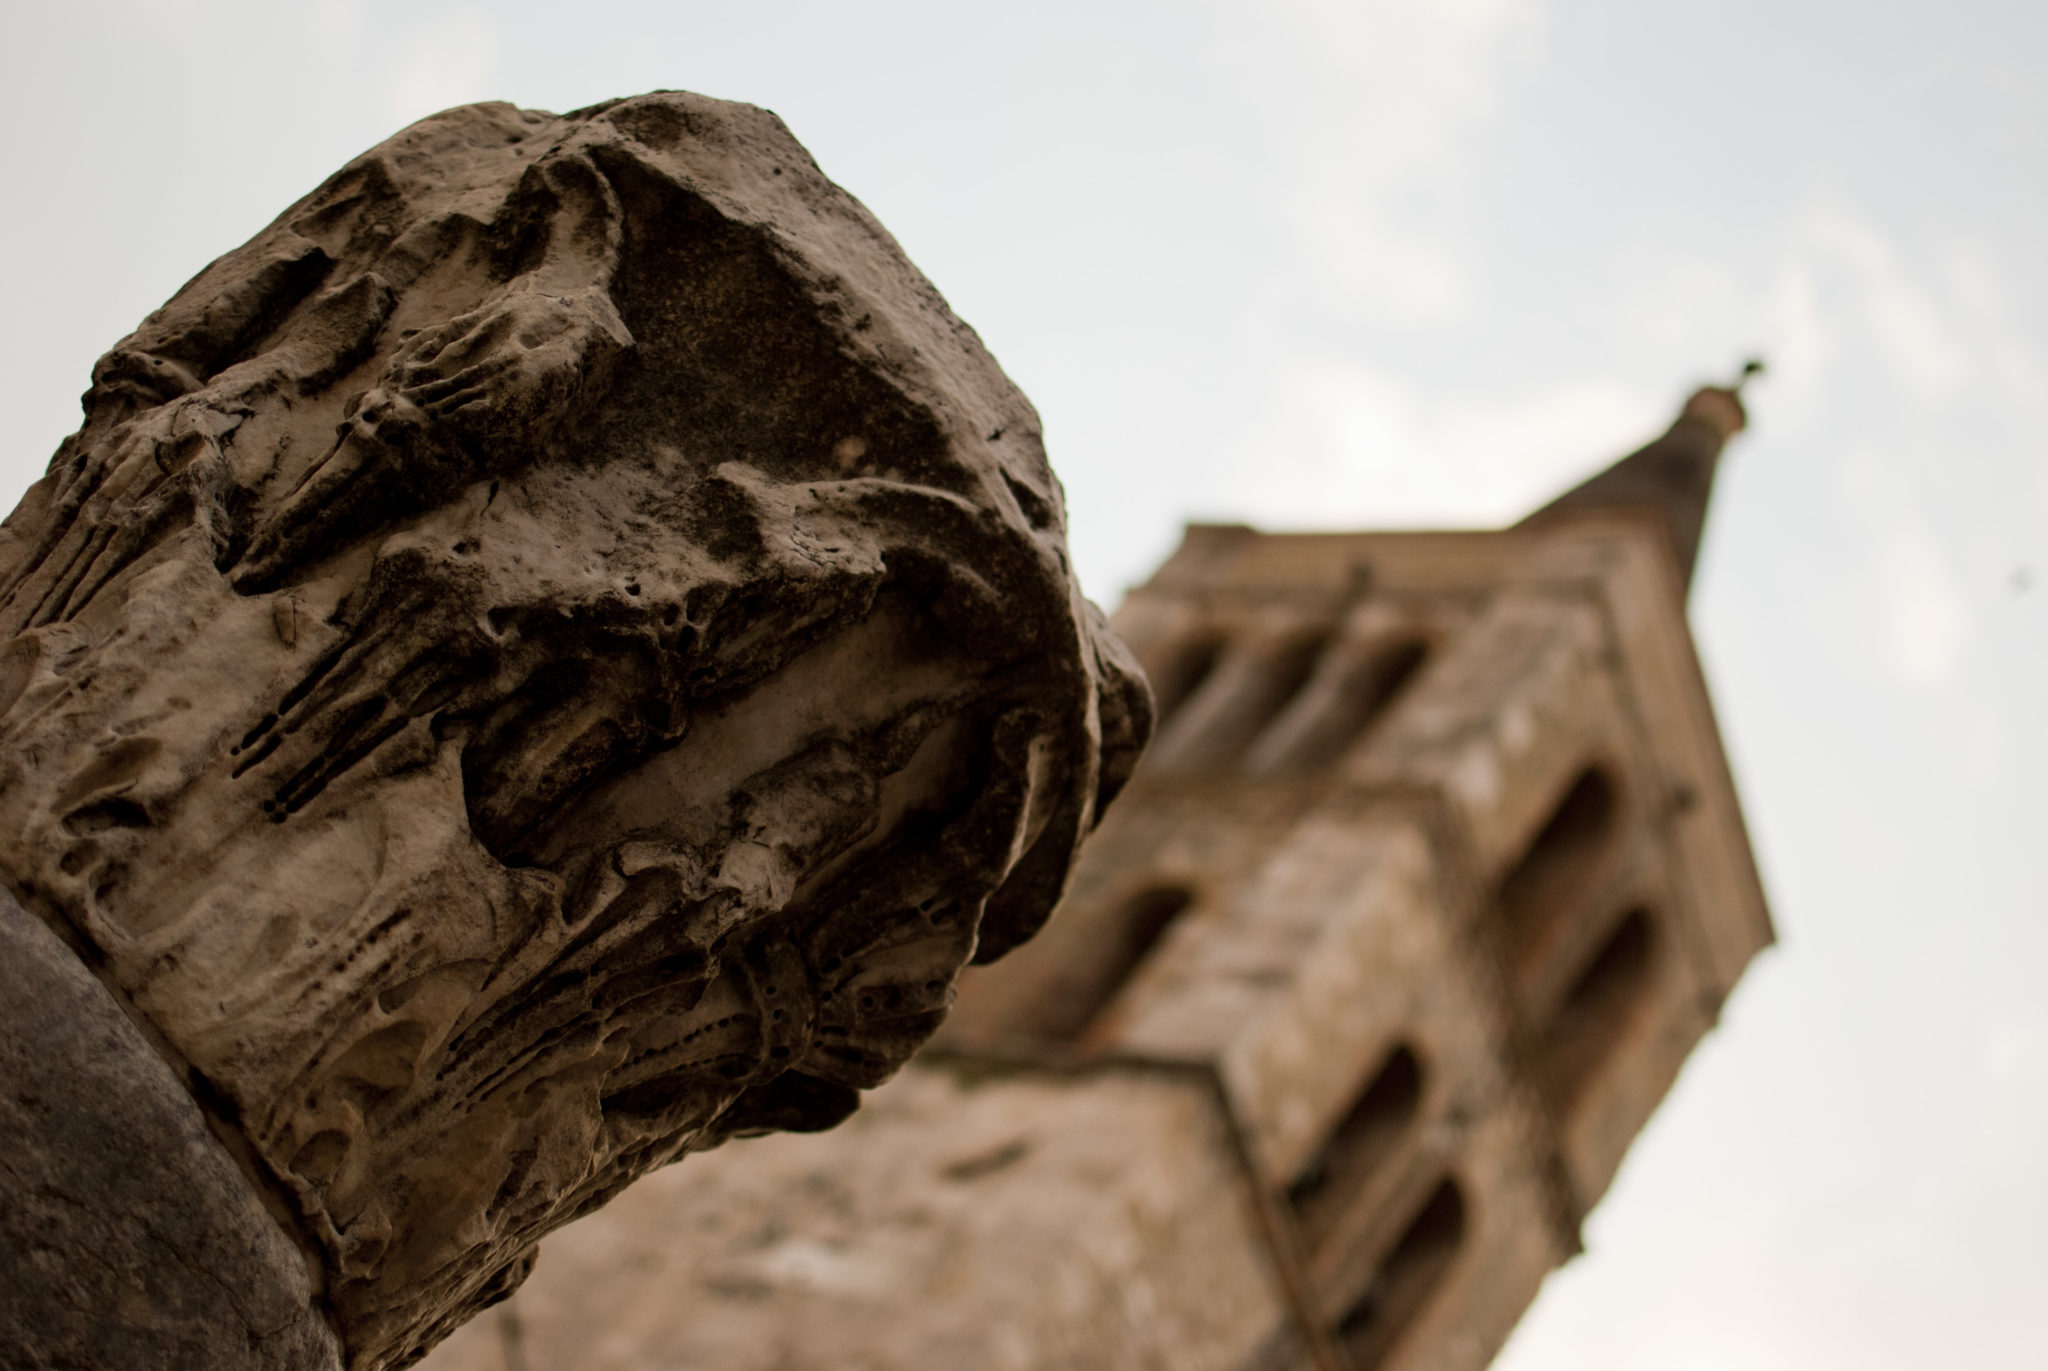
[1308,263]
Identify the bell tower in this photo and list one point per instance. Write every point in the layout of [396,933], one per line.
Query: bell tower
[1433,878]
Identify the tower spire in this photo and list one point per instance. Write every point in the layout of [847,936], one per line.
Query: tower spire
[1673,475]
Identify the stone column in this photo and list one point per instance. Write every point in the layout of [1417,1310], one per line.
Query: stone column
[550,657]
[128,1235]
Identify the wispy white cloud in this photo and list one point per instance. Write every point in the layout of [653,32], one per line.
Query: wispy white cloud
[1938,324]
[1386,91]
[1915,611]
[1354,447]
[448,62]
[175,9]
[1908,319]
[1925,615]
[1409,76]
[2010,1128]
[1796,336]
[336,21]
[2016,361]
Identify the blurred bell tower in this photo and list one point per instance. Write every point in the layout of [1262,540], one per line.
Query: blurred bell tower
[1433,878]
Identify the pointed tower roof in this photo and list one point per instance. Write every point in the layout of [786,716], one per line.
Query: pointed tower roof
[1673,476]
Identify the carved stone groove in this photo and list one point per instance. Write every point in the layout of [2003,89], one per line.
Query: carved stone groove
[548,658]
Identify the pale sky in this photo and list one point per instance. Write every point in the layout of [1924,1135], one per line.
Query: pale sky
[1307,263]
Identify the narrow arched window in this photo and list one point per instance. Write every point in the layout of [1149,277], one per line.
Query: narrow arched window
[1358,1148]
[1183,673]
[1562,866]
[1072,1004]
[1401,1288]
[1351,688]
[1288,672]
[1241,694]
[1600,1008]
[1393,667]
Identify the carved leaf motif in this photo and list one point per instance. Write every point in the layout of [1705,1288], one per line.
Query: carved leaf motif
[550,657]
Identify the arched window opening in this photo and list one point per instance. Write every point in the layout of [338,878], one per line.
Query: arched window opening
[1269,691]
[1080,996]
[1357,1147]
[1291,668]
[1402,1286]
[1174,684]
[1331,714]
[1561,868]
[1600,1007]
[1392,670]
[1244,692]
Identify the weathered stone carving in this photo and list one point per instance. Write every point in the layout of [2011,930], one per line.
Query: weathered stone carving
[549,657]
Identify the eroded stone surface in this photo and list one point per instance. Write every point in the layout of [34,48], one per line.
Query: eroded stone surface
[549,657]
[128,1236]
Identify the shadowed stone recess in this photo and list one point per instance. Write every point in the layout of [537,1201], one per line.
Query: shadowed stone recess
[128,1236]
[549,657]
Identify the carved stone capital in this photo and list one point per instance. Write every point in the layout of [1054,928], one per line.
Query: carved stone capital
[548,658]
